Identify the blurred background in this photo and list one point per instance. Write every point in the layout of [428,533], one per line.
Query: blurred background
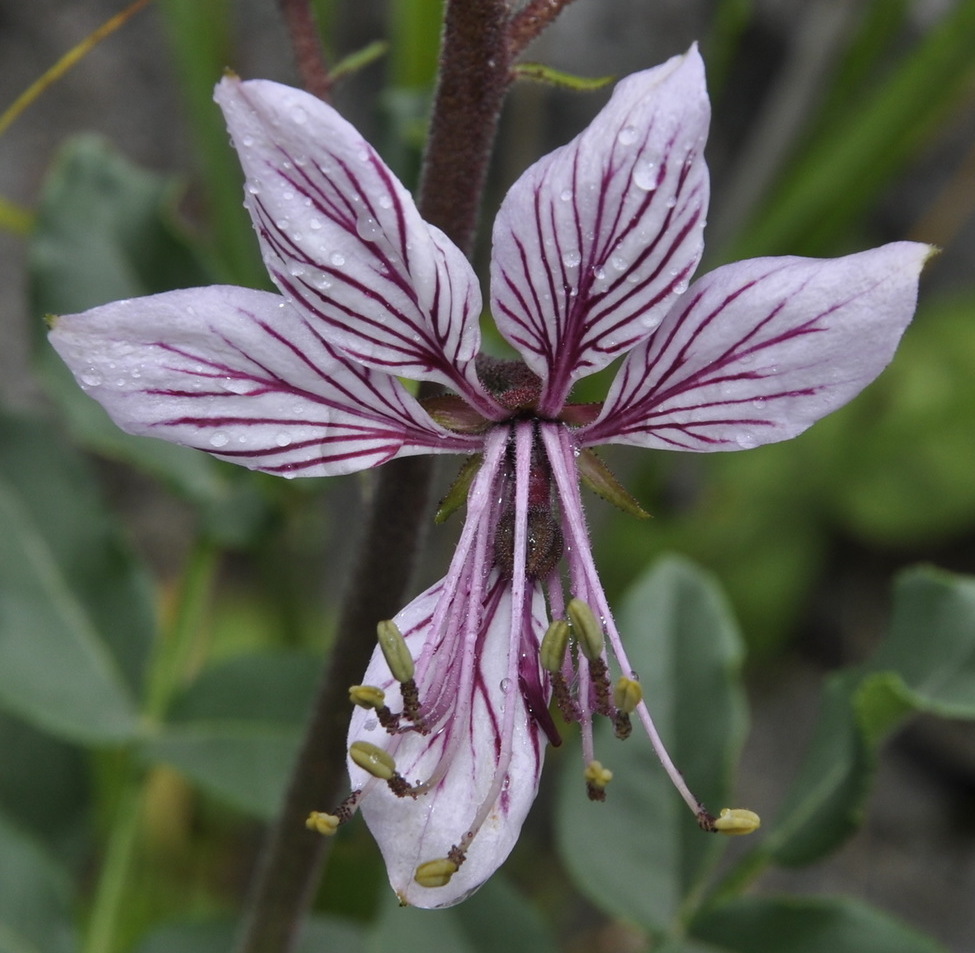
[837,126]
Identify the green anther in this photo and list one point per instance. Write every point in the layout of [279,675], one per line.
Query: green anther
[627,694]
[395,650]
[736,820]
[435,873]
[367,696]
[373,760]
[554,643]
[587,630]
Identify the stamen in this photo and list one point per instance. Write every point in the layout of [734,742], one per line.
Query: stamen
[587,630]
[435,873]
[554,643]
[367,696]
[599,676]
[395,650]
[597,777]
[737,820]
[373,760]
[627,694]
[325,824]
[563,698]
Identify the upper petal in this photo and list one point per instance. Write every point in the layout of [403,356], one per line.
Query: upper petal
[758,350]
[246,377]
[410,831]
[343,240]
[594,240]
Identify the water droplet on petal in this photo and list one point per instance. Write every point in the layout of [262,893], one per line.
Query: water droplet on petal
[367,228]
[385,201]
[746,440]
[283,439]
[337,259]
[219,439]
[566,195]
[505,685]
[627,136]
[645,176]
[571,259]
[298,115]
[619,262]
[91,378]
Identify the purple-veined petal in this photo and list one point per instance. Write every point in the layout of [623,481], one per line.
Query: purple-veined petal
[759,350]
[411,832]
[594,240]
[246,377]
[344,242]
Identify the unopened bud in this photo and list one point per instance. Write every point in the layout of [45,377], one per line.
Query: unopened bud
[587,629]
[367,696]
[395,650]
[554,643]
[627,694]
[373,760]
[435,873]
[737,820]
[326,824]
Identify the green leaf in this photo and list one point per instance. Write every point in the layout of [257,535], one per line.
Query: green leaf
[76,616]
[245,764]
[821,925]
[638,854]
[927,664]
[35,902]
[495,918]
[104,233]
[838,175]
[541,73]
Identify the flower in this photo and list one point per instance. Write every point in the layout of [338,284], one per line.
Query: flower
[594,248]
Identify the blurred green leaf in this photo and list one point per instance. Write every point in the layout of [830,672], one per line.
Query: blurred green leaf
[926,664]
[836,176]
[495,918]
[821,925]
[76,615]
[245,764]
[273,687]
[637,855]
[35,899]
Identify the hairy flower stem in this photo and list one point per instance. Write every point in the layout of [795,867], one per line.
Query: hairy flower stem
[300,21]
[474,76]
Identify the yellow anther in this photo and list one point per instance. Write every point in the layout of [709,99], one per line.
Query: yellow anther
[554,643]
[326,824]
[597,776]
[435,873]
[588,631]
[375,761]
[737,821]
[367,696]
[627,694]
[395,650]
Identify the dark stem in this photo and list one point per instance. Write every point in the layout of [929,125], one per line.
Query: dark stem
[474,75]
[530,21]
[300,21]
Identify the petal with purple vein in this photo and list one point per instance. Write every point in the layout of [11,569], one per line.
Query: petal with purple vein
[343,240]
[594,241]
[246,377]
[759,350]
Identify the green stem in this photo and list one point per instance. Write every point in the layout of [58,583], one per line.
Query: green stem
[166,674]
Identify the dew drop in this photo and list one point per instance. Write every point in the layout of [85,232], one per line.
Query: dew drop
[619,262]
[645,176]
[505,685]
[758,403]
[599,273]
[367,228]
[314,224]
[283,439]
[680,286]
[298,115]
[337,259]
[628,135]
[571,259]
[247,141]
[219,439]
[746,440]
[91,378]
[566,195]
[385,201]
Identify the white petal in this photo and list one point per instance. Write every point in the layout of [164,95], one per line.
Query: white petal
[343,240]
[244,376]
[594,240]
[759,350]
[410,832]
